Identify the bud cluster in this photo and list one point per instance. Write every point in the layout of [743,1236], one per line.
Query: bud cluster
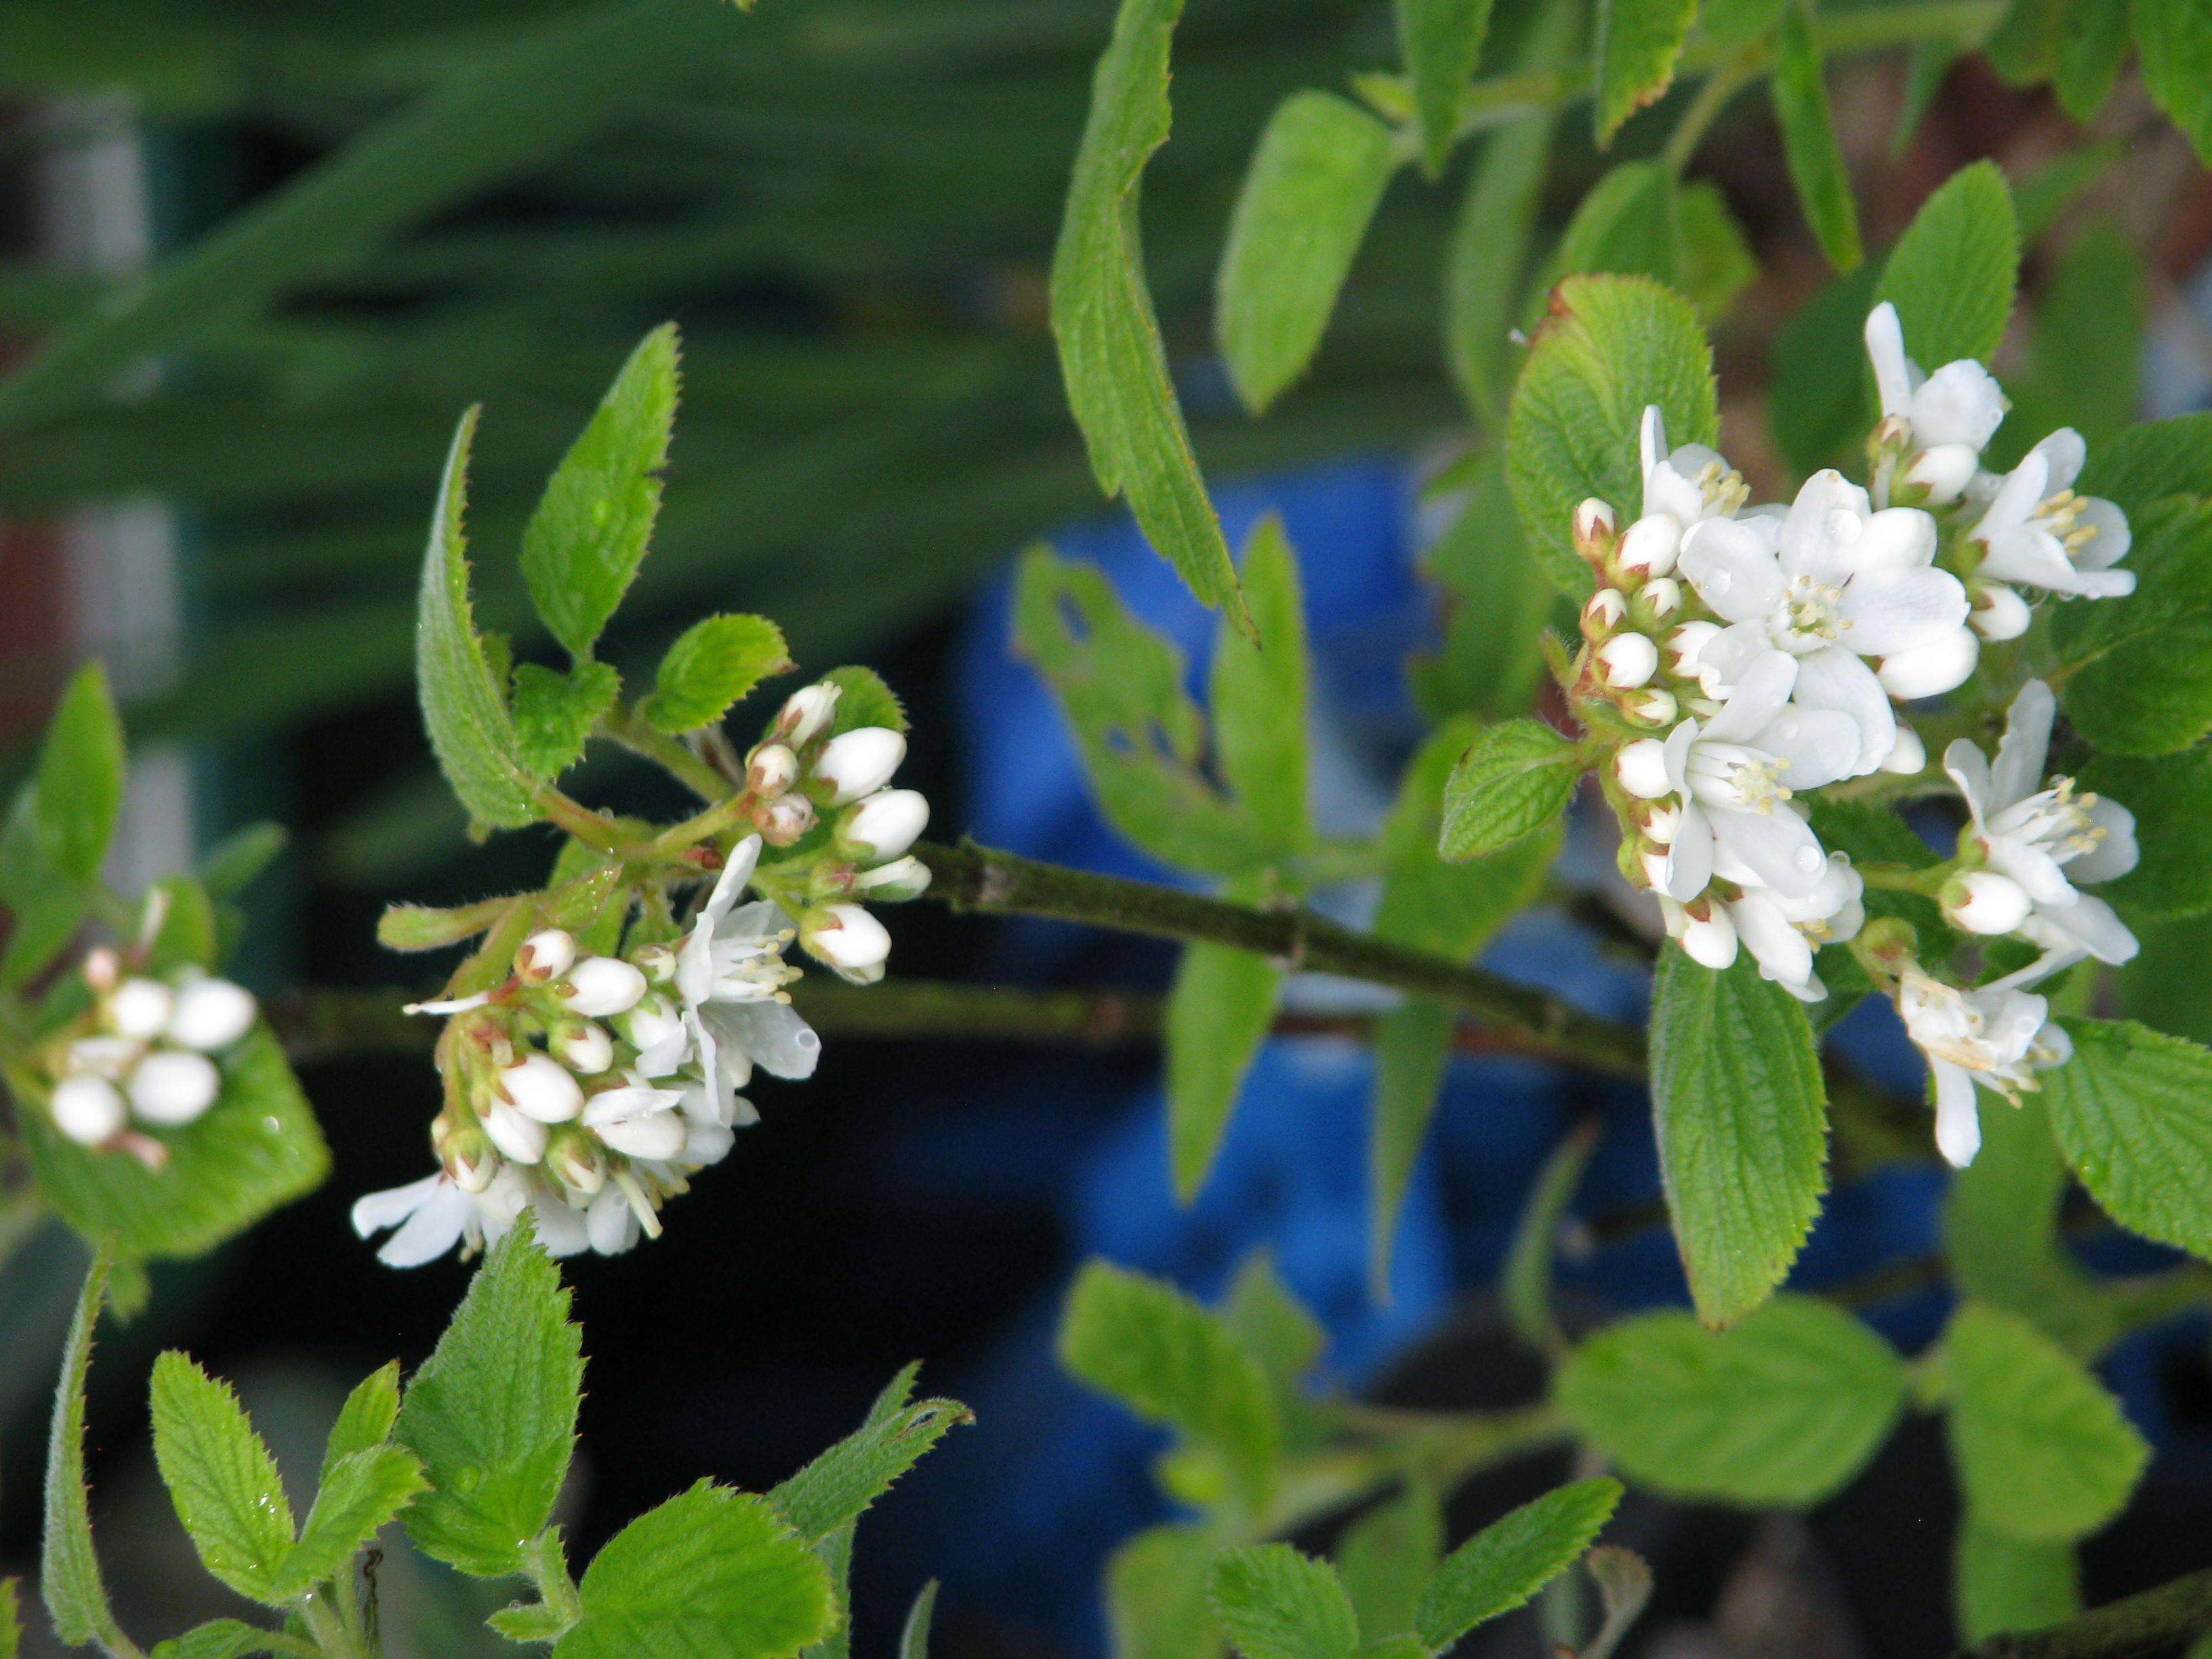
[143,1053]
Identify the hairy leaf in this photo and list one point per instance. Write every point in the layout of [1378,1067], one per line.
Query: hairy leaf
[1952,275]
[2000,1233]
[221,1479]
[2173,43]
[366,1419]
[1637,43]
[836,1486]
[1511,1559]
[69,1568]
[58,828]
[359,1494]
[1219,1009]
[1387,1555]
[1513,780]
[2132,1111]
[1258,696]
[2146,463]
[1440,41]
[2141,681]
[2170,796]
[712,664]
[1156,1595]
[554,712]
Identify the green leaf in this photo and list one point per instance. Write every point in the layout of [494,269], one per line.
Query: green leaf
[223,1638]
[530,1621]
[424,927]
[1167,1359]
[913,1635]
[463,710]
[2000,1233]
[1441,41]
[255,1149]
[234,863]
[1272,1325]
[2132,1111]
[1258,696]
[2140,679]
[1156,1595]
[365,1420]
[710,1574]
[1314,185]
[1637,43]
[2170,796]
[2093,42]
[1514,779]
[1610,346]
[359,1495]
[1386,1556]
[1412,1046]
[712,664]
[2001,1583]
[1782,1408]
[1952,275]
[1219,1009]
[221,1479]
[1713,261]
[2021,47]
[1111,353]
[864,699]
[1624,226]
[2042,1451]
[1733,22]
[58,830]
[1525,1280]
[69,1567]
[11,1621]
[1274,1603]
[1808,142]
[1497,601]
[583,544]
[492,1414]
[554,712]
[2087,347]
[1823,401]
[2173,44]
[836,1486]
[1741,1113]
[2146,463]
[1511,1559]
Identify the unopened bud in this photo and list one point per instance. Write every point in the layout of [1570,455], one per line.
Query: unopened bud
[1659,601]
[520,1137]
[654,1135]
[540,1086]
[1927,670]
[1908,755]
[1890,940]
[102,969]
[773,769]
[707,1143]
[845,936]
[805,713]
[1604,612]
[599,986]
[894,882]
[1998,612]
[1983,901]
[1684,644]
[1659,821]
[1653,863]
[544,955]
[1627,660]
[576,1159]
[784,820]
[860,762]
[1651,547]
[1711,942]
[1938,475]
[211,1014]
[884,825]
[656,961]
[104,1056]
[1593,526]
[656,1030]
[1653,706]
[140,1008]
[467,1154]
[582,1046]
[88,1110]
[1641,768]
[172,1086]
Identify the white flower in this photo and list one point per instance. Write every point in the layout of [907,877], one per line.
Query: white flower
[1830,583]
[599,986]
[859,762]
[211,1013]
[1986,903]
[172,1086]
[1783,932]
[730,973]
[1997,1035]
[636,1119]
[88,1107]
[433,1215]
[1951,413]
[849,939]
[1688,485]
[2047,839]
[2038,531]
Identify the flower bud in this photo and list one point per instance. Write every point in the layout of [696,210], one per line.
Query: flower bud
[1658,822]
[655,1135]
[578,1160]
[1889,939]
[773,769]
[1652,706]
[88,1110]
[1998,612]
[466,1151]
[599,985]
[1641,768]
[1627,660]
[1929,670]
[210,1014]
[1659,601]
[1984,902]
[845,936]
[784,819]
[1711,943]
[1604,612]
[172,1086]
[1908,755]
[540,1086]
[582,1046]
[1651,547]
[654,1025]
[884,825]
[520,1137]
[860,762]
[544,955]
[1938,474]
[896,882]
[656,961]
[1593,524]
[140,1008]
[804,712]
[1684,644]
[1653,863]
[102,969]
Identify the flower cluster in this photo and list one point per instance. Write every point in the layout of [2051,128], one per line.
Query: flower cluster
[1736,657]
[143,1053]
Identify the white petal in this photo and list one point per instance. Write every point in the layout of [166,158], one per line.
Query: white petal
[1825,522]
[1958,1124]
[560,1229]
[2033,869]
[1732,567]
[1930,669]
[2063,451]
[1900,610]
[2109,545]
[1724,658]
[2092,923]
[1895,539]
[736,871]
[2016,500]
[430,1232]
[1885,343]
[622,1105]
[1779,847]
[1960,404]
[1651,442]
[373,1211]
[1836,678]
[1821,745]
[2031,554]
[2017,772]
[2115,854]
[771,1033]
[1783,953]
[1690,856]
[1710,944]
[1759,693]
[610,1222]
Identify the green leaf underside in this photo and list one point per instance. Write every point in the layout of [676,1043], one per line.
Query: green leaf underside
[2001,1584]
[2132,1111]
[585,541]
[843,1481]
[2141,665]
[864,699]
[220,1478]
[1440,41]
[1808,142]
[714,664]
[1510,1560]
[1156,1595]
[2042,1451]
[1741,1113]
[255,1149]
[1111,353]
[913,1635]
[1451,909]
[1167,1359]
[1952,274]
[1314,185]
[710,1574]
[1274,1603]
[69,1569]
[1783,1409]
[1412,1046]
[1514,779]
[1637,43]
[492,1414]
[1609,347]
[1257,694]
[554,712]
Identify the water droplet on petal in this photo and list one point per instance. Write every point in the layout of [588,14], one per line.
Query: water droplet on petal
[1719,581]
[1809,859]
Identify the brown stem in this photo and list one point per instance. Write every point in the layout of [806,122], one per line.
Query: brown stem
[2162,1618]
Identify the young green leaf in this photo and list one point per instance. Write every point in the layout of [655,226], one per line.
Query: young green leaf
[530,1621]
[58,830]
[1274,1603]
[712,664]
[1156,1595]
[492,1414]
[1625,226]
[2132,1111]
[583,544]
[1412,1046]
[2175,50]
[1314,185]
[1167,1359]
[1610,347]
[1487,260]
[425,927]
[234,863]
[255,1149]
[836,1486]
[913,1635]
[1270,1324]
[2170,796]
[366,1419]
[2141,666]
[1387,1555]
[2000,1583]
[1624,1585]
[1497,601]
[2042,1451]
[1782,1408]
[1733,22]
[1952,274]
[1808,141]
[1511,1559]
[463,706]
[69,1567]
[2092,41]
[1440,41]
[11,1621]
[1637,43]
[2000,1233]
[359,1494]
[1514,779]
[1219,1008]
[864,699]
[221,1479]
[710,1574]
[1525,1281]
[1258,694]
[1110,352]
[554,712]
[228,1639]
[1741,1117]
[1713,260]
